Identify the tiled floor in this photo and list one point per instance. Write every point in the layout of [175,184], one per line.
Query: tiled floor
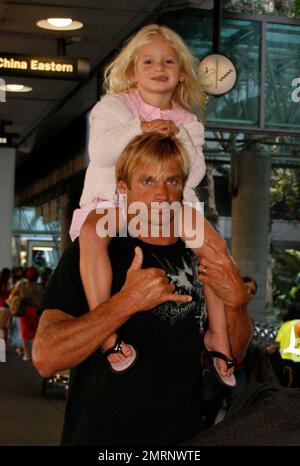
[26,416]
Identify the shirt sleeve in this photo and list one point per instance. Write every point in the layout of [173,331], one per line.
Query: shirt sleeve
[112,127]
[65,290]
[192,137]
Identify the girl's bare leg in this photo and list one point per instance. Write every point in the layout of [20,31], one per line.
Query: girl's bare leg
[216,337]
[96,274]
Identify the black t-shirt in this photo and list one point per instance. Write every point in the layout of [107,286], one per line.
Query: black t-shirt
[158,401]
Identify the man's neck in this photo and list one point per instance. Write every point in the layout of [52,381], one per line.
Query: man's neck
[158,241]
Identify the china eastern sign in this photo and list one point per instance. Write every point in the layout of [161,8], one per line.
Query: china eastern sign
[48,67]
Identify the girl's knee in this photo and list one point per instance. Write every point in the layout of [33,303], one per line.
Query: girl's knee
[89,237]
[88,230]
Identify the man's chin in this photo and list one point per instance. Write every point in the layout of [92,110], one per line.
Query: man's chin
[162,227]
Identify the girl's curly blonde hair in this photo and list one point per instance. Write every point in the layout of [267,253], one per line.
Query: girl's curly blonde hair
[188,93]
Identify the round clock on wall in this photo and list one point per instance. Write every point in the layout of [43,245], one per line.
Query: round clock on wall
[217,73]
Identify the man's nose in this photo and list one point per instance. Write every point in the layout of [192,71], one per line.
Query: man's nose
[161,192]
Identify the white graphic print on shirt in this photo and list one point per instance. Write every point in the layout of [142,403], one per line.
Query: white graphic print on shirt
[184,277]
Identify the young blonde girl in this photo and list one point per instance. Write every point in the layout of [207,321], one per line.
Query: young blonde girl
[151,86]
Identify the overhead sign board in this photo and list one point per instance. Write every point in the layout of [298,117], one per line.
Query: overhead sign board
[5,140]
[47,67]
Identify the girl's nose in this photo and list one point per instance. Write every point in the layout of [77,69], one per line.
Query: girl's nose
[159,65]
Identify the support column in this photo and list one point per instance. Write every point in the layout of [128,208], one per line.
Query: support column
[250,221]
[7,188]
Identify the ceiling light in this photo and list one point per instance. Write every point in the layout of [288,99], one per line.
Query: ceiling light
[59,24]
[15,88]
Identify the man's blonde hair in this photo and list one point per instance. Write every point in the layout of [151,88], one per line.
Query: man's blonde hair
[117,76]
[151,149]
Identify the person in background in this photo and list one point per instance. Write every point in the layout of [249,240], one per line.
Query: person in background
[214,393]
[240,372]
[18,274]
[288,338]
[15,341]
[251,286]
[5,288]
[31,293]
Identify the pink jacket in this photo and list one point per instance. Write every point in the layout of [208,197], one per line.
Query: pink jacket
[114,121]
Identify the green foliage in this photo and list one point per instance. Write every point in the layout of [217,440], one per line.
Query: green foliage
[297,8]
[285,194]
[286,277]
[273,317]
[263,7]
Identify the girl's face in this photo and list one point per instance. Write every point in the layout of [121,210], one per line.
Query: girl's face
[157,68]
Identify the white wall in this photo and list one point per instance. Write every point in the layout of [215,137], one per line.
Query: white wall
[7,185]
[282,231]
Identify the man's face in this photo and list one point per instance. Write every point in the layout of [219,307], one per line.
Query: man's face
[251,289]
[148,186]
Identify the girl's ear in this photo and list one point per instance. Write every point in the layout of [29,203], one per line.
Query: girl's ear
[131,75]
[182,77]
[122,187]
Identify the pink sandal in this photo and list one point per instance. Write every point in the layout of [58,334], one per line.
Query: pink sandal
[127,363]
[227,380]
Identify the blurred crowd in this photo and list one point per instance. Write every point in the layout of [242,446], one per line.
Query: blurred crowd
[21,292]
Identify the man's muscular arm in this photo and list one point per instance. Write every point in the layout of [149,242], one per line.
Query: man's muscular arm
[63,341]
[223,276]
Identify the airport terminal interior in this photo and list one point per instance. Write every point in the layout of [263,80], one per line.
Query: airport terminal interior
[53,54]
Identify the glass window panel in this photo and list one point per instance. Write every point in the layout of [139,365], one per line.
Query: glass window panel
[240,40]
[282,67]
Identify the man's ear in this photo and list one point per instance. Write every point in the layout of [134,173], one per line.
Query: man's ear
[122,187]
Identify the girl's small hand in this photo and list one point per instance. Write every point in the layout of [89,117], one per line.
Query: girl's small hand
[166,127]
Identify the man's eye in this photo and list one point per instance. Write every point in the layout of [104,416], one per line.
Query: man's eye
[148,181]
[173,181]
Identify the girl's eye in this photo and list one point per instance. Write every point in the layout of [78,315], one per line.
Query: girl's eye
[169,61]
[147,62]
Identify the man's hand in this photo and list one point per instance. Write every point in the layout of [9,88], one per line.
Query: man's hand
[222,275]
[148,288]
[166,127]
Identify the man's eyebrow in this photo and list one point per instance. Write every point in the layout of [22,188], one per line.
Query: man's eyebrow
[176,175]
[155,177]
[145,176]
